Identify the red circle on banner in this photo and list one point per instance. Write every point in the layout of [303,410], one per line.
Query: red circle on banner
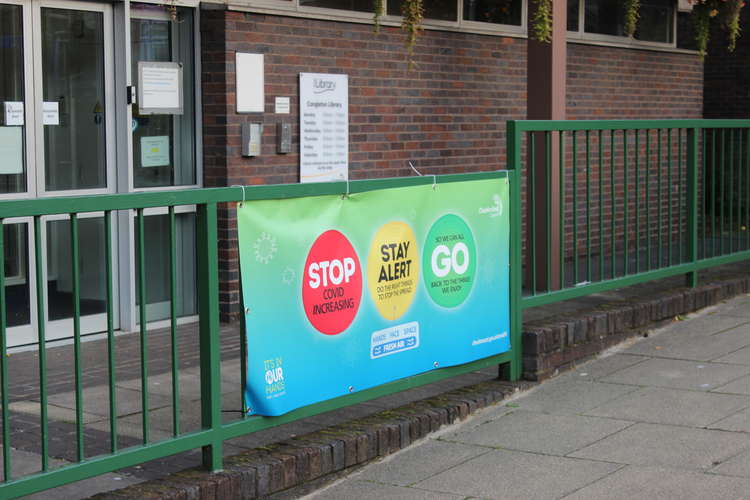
[332,285]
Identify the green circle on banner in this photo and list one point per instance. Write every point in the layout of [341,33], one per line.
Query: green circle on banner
[449,261]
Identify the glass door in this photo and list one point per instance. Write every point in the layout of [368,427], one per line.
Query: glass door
[157,36]
[16,141]
[72,57]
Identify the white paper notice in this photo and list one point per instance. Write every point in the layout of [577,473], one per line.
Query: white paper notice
[282,106]
[160,87]
[155,151]
[249,80]
[50,113]
[13,113]
[324,127]
[11,150]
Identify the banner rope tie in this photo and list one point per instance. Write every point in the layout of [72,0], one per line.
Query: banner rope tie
[243,193]
[434,177]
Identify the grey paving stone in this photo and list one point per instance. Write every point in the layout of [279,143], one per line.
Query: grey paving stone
[672,406]
[96,400]
[679,374]
[516,475]
[702,348]
[366,490]
[698,325]
[738,306]
[54,413]
[736,466]
[189,385]
[738,422]
[421,462]
[738,386]
[539,432]
[740,357]
[667,446]
[569,396]
[602,367]
[662,484]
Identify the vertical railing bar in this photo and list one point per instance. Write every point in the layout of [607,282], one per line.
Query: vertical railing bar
[722,167]
[747,189]
[649,240]
[679,196]
[561,173]
[548,204]
[142,318]
[601,206]
[692,203]
[669,197]
[110,330]
[626,235]
[7,467]
[730,186]
[660,221]
[532,206]
[574,206]
[75,271]
[612,195]
[208,312]
[637,203]
[42,338]
[738,223]
[173,322]
[714,206]
[588,207]
[704,190]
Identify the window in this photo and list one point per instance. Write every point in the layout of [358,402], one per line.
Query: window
[607,17]
[356,5]
[442,10]
[494,11]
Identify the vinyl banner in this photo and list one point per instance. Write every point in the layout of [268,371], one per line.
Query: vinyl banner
[344,293]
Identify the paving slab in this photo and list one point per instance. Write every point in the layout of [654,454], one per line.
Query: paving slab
[737,386]
[570,396]
[96,400]
[737,422]
[189,385]
[54,412]
[679,374]
[507,475]
[663,484]
[667,446]
[700,348]
[738,465]
[539,433]
[740,357]
[672,406]
[739,307]
[367,490]
[599,368]
[421,462]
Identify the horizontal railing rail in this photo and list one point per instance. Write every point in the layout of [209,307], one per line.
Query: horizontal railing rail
[213,431]
[612,203]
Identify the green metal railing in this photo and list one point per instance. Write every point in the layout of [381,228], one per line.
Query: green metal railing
[213,431]
[618,202]
[595,205]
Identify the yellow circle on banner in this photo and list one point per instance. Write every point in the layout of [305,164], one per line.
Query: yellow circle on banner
[393,269]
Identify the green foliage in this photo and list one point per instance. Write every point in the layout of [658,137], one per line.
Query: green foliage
[632,8]
[377,9]
[541,22]
[413,13]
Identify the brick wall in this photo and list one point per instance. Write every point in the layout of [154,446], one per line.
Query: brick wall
[447,115]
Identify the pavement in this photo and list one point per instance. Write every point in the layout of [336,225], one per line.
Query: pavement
[662,417]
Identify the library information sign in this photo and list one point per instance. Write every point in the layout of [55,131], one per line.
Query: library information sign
[347,293]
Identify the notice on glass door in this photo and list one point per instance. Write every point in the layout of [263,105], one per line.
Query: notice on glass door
[11,150]
[159,88]
[324,127]
[155,151]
